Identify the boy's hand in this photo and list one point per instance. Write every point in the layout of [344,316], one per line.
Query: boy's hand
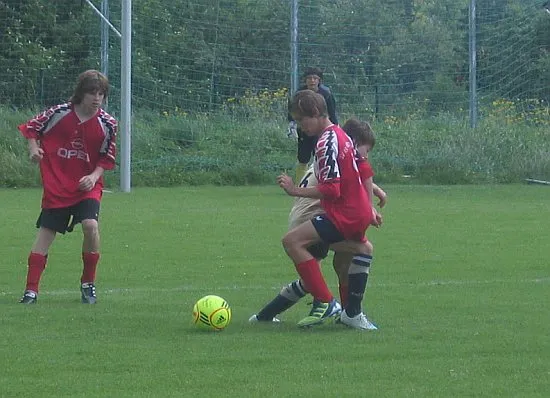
[287,184]
[36,154]
[87,183]
[382,197]
[376,218]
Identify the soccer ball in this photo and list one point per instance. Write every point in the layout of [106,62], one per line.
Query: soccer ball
[211,312]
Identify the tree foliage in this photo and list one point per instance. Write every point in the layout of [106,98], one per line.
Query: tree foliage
[195,55]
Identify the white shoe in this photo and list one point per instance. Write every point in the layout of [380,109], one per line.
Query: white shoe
[359,321]
[254,319]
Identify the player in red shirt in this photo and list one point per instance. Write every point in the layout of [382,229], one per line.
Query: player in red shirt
[348,209]
[304,209]
[74,143]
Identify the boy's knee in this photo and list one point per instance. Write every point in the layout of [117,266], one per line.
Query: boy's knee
[90,227]
[369,248]
[286,242]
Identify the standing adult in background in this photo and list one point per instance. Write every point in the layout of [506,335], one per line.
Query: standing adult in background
[73,143]
[306,144]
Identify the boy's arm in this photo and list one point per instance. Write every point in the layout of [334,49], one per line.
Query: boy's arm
[368,184]
[108,150]
[380,194]
[366,173]
[287,184]
[35,152]
[376,216]
[29,130]
[326,155]
[87,183]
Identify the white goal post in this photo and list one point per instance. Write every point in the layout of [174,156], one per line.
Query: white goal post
[125,128]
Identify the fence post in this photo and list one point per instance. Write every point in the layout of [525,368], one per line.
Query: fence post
[105,43]
[126,97]
[473,64]
[294,47]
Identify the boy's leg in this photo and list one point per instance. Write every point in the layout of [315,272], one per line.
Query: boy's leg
[292,293]
[37,258]
[357,283]
[287,297]
[36,265]
[341,263]
[50,221]
[358,274]
[90,250]
[358,270]
[87,213]
[295,244]
[353,315]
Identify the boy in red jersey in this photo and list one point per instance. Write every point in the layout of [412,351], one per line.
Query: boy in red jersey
[304,209]
[73,143]
[348,209]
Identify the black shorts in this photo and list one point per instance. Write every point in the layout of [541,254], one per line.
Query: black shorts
[306,146]
[65,218]
[327,230]
[319,250]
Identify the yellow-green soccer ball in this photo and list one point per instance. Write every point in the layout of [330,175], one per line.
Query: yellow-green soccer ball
[211,312]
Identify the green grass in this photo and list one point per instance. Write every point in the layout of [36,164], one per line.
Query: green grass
[459,289]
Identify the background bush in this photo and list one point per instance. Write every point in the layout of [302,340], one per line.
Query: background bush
[509,144]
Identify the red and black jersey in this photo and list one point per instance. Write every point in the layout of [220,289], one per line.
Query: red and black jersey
[72,150]
[345,199]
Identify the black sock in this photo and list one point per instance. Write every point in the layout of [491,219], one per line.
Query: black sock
[356,290]
[357,283]
[287,297]
[274,308]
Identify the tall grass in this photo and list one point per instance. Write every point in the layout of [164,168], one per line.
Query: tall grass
[445,150]
[236,148]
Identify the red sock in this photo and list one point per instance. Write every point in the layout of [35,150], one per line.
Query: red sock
[90,261]
[311,275]
[343,295]
[36,264]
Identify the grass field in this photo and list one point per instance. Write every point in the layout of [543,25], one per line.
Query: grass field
[460,289]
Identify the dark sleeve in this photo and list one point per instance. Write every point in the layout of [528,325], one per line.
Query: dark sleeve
[331,103]
[289,116]
[331,107]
